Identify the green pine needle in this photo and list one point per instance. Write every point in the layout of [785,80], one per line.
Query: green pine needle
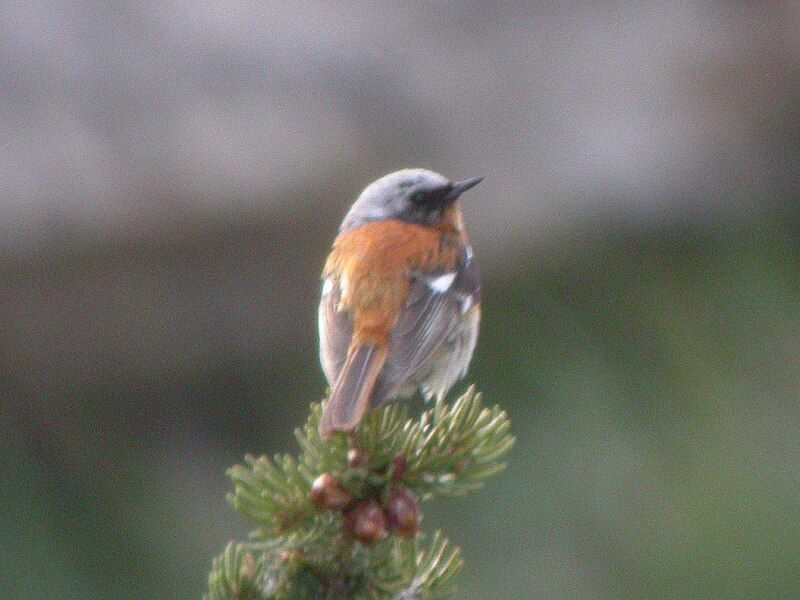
[237,575]
[302,550]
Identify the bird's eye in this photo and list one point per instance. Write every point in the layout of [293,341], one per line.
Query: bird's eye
[417,197]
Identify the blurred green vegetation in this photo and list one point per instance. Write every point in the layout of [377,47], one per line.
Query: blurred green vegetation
[651,377]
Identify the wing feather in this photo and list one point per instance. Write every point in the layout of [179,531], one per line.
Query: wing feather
[335,331]
[427,321]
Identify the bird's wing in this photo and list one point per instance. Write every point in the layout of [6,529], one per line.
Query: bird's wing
[335,330]
[432,311]
[352,368]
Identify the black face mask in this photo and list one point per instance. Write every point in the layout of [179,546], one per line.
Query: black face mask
[427,206]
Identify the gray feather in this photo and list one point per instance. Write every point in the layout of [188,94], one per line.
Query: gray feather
[432,341]
[335,332]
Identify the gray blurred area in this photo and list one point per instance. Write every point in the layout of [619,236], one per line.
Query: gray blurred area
[172,175]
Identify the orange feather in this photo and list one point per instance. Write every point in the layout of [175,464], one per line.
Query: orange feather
[373,265]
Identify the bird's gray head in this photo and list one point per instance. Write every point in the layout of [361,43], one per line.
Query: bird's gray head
[412,195]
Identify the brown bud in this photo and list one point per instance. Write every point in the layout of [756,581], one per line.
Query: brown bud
[398,466]
[355,458]
[402,512]
[366,522]
[327,493]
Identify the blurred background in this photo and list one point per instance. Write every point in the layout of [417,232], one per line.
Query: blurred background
[171,177]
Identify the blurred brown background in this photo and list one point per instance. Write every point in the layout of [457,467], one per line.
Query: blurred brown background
[171,177]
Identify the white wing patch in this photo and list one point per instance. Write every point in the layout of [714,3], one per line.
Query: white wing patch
[442,283]
[327,286]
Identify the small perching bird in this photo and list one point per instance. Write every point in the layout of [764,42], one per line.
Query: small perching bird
[401,296]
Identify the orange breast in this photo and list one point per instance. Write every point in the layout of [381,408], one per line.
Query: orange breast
[373,265]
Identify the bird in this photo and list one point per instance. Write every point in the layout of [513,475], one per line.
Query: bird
[401,297]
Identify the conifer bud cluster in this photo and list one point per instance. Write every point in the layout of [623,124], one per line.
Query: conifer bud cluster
[370,519]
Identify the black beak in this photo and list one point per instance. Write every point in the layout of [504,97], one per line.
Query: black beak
[462,186]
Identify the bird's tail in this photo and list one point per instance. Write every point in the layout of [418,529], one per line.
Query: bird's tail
[351,392]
